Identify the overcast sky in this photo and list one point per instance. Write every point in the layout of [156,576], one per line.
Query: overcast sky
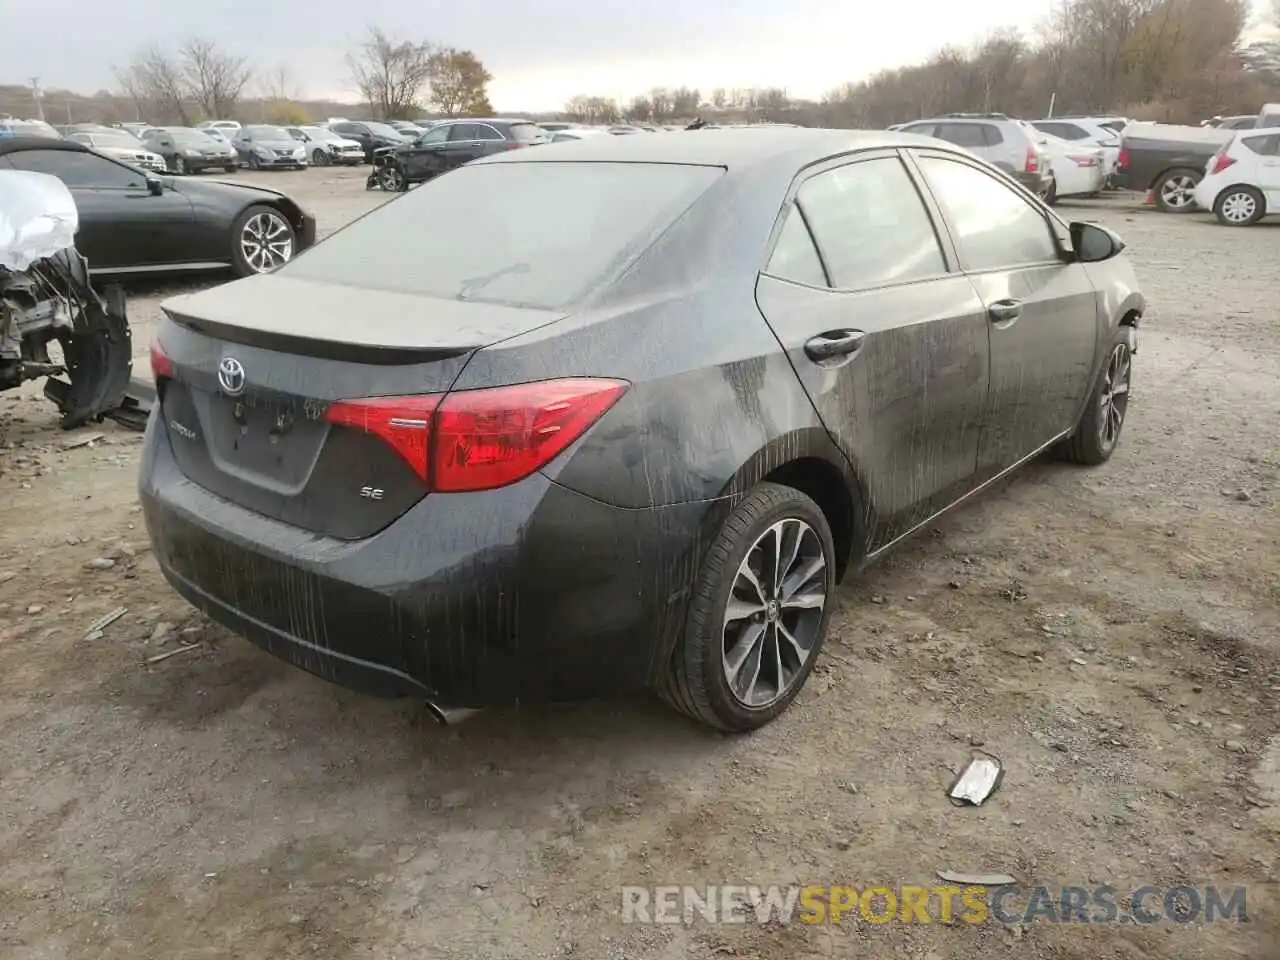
[541,52]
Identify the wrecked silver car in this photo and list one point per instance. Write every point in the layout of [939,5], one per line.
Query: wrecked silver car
[46,299]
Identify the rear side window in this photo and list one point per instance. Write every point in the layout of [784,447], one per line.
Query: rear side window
[870,225]
[1269,120]
[537,235]
[994,225]
[527,133]
[968,135]
[1268,146]
[795,258]
[921,129]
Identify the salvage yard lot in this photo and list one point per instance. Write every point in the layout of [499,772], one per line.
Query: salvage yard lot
[1113,635]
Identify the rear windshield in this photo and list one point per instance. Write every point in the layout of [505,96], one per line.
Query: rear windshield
[1268,120]
[536,234]
[527,133]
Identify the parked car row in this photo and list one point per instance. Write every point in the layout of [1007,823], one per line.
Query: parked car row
[1055,158]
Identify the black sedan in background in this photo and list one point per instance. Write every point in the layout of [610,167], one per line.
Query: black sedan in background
[188,150]
[450,144]
[622,413]
[132,221]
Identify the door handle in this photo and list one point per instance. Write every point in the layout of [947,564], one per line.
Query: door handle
[834,343]
[1005,311]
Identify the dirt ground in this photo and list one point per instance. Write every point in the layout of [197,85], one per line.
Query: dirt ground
[1113,635]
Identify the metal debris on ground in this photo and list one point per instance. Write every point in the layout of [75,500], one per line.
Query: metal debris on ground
[977,781]
[84,441]
[976,879]
[105,621]
[173,653]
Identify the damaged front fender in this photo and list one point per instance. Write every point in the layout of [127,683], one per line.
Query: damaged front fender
[46,299]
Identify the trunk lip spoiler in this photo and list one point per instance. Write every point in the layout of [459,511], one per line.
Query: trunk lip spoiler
[355,352]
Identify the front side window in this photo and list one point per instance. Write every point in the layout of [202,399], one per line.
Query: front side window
[870,225]
[795,258]
[994,225]
[83,170]
[435,135]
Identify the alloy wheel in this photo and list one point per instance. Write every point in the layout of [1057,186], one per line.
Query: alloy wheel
[320,158]
[266,241]
[392,178]
[1239,207]
[1114,398]
[773,617]
[179,165]
[1178,192]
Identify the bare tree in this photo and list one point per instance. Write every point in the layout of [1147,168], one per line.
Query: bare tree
[278,84]
[390,74]
[214,79]
[155,84]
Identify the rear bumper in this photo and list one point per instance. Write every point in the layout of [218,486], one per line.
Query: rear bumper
[532,592]
[1037,183]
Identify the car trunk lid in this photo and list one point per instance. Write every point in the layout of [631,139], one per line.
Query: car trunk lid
[247,372]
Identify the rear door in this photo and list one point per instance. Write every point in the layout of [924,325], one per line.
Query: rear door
[888,338]
[1042,312]
[1267,149]
[122,223]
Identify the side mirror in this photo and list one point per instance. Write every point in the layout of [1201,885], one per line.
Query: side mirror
[155,185]
[1094,243]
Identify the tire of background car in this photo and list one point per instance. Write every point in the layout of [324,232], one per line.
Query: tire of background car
[320,158]
[1051,192]
[264,222]
[392,178]
[1178,183]
[1098,432]
[254,162]
[1240,206]
[178,166]
[765,619]
[231,169]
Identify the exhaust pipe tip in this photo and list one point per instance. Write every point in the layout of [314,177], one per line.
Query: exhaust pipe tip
[450,716]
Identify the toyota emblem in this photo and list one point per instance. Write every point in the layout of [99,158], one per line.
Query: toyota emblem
[231,376]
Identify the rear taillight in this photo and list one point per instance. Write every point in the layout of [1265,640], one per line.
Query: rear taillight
[1033,160]
[515,144]
[161,365]
[1220,162]
[482,439]
[1122,161]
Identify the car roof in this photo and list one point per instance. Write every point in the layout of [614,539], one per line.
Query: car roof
[484,120]
[787,148]
[18,144]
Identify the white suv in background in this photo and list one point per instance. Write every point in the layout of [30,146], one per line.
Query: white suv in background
[1241,182]
[1010,145]
[1086,131]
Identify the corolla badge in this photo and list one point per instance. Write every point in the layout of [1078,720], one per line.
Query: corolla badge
[231,376]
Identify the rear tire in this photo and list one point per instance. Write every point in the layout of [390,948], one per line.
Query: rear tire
[777,622]
[1098,432]
[1051,194]
[1240,206]
[230,169]
[319,158]
[1174,190]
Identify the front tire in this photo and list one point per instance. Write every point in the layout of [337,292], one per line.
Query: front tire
[1240,206]
[1098,432]
[261,240]
[1175,191]
[393,179]
[319,158]
[756,623]
[178,166]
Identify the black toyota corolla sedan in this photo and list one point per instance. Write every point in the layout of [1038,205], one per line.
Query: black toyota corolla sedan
[628,420]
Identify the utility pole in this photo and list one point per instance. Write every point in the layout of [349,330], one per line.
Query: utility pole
[35,93]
